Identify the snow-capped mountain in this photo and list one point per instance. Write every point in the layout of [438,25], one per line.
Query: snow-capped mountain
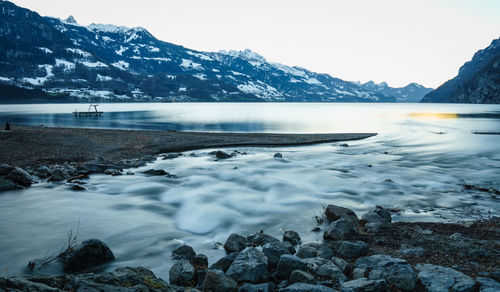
[412,92]
[106,62]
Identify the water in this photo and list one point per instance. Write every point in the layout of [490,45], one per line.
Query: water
[417,163]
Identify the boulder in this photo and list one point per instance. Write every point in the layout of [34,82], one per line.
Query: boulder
[182,273]
[183,252]
[86,255]
[364,285]
[224,262]
[20,177]
[250,266]
[264,287]
[112,171]
[5,169]
[259,239]
[330,271]
[350,249]
[171,156]
[308,250]
[334,213]
[278,155]
[235,243]
[303,287]
[377,219]
[287,263]
[200,261]
[220,154]
[395,271]
[159,172]
[343,265]
[438,278]
[292,237]
[289,247]
[341,229]
[313,264]
[43,172]
[299,276]
[409,250]
[488,285]
[6,184]
[273,252]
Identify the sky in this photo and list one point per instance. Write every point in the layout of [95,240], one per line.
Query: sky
[397,41]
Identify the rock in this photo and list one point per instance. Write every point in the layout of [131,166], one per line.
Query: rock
[395,271]
[341,229]
[43,172]
[264,287]
[183,252]
[364,285]
[287,263]
[182,273]
[220,154]
[377,226]
[20,177]
[329,271]
[200,261]
[59,173]
[313,264]
[250,265]
[343,265]
[325,251]
[99,166]
[350,249]
[261,238]
[273,252]
[88,254]
[20,284]
[224,262]
[304,287]
[235,243]
[292,237]
[438,278]
[377,219]
[171,156]
[159,172]
[112,171]
[5,169]
[299,276]
[409,250]
[278,155]
[488,285]
[308,250]
[77,188]
[334,213]
[289,247]
[6,184]
[344,145]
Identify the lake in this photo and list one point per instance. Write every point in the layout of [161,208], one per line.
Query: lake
[418,163]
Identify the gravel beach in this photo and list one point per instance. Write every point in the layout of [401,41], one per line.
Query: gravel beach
[34,146]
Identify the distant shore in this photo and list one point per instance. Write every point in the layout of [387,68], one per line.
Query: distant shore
[40,145]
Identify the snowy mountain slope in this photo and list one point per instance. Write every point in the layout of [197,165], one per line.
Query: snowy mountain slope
[108,62]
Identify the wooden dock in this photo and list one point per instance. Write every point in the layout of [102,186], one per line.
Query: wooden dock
[89,113]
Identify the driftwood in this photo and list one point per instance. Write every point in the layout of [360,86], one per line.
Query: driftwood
[77,177]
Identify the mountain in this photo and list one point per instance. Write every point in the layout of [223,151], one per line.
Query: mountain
[412,92]
[478,81]
[99,62]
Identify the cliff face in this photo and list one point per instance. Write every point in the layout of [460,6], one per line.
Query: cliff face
[478,81]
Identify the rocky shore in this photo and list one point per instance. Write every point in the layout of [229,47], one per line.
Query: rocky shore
[367,254]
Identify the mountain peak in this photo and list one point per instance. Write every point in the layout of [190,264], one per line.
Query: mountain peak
[99,27]
[70,20]
[246,54]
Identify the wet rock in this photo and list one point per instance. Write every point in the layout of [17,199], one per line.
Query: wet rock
[43,172]
[344,145]
[59,173]
[299,276]
[6,184]
[488,285]
[250,265]
[409,250]
[303,287]
[292,237]
[88,254]
[182,273]
[171,156]
[99,165]
[235,243]
[183,252]
[278,155]
[77,188]
[259,239]
[325,251]
[273,252]
[308,250]
[220,154]
[342,264]
[200,261]
[313,264]
[395,271]
[20,177]
[264,287]
[438,278]
[329,271]
[113,172]
[224,262]
[334,213]
[350,249]
[20,284]
[364,285]
[341,229]
[158,172]
[287,263]
[5,169]
[377,219]
[289,247]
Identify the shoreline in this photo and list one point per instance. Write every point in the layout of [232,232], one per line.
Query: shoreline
[39,145]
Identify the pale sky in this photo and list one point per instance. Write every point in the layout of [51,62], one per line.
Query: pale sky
[397,41]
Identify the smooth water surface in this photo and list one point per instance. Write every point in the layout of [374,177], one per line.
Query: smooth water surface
[418,163]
